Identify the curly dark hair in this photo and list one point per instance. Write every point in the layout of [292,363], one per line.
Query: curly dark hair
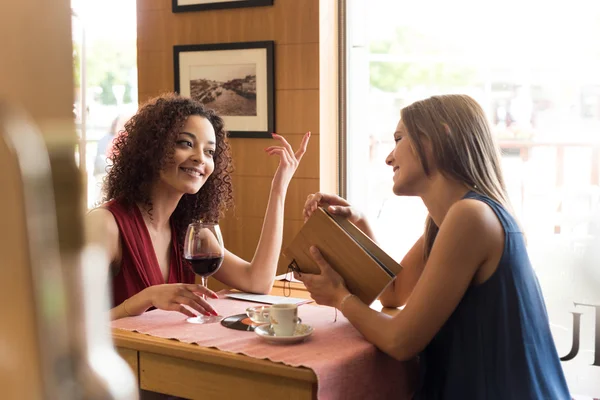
[147,145]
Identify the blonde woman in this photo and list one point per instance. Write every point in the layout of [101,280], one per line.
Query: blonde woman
[474,312]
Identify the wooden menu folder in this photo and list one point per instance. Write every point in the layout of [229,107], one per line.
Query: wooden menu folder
[366,269]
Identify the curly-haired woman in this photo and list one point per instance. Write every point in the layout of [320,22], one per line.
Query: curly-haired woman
[171,168]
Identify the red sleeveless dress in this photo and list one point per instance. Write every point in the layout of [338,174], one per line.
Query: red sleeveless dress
[139,267]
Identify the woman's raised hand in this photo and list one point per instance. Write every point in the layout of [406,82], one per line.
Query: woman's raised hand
[288,160]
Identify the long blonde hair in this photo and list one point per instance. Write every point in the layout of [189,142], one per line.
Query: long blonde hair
[462,145]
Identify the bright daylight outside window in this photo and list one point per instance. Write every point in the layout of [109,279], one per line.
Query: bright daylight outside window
[105,69]
[534,67]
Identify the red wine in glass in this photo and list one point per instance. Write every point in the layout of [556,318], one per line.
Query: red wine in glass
[205,265]
[204,251]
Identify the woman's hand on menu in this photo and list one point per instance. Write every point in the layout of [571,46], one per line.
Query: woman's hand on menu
[338,206]
[335,205]
[329,287]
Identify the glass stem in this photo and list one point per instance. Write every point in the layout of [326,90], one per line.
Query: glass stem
[203,280]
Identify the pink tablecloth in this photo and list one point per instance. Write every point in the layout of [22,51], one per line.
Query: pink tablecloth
[346,366]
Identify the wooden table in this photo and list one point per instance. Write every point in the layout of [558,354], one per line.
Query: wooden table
[190,371]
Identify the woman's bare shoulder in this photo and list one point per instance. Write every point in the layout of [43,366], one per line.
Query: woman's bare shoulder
[102,218]
[475,219]
[102,228]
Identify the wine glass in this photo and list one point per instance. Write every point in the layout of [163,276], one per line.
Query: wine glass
[203,249]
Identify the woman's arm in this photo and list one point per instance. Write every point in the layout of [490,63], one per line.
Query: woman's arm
[258,275]
[102,230]
[398,292]
[469,235]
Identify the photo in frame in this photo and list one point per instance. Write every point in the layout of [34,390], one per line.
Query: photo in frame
[204,5]
[234,79]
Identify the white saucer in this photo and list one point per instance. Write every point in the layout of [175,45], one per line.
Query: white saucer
[266,332]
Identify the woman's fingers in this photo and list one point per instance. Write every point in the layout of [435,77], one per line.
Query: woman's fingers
[333,199]
[312,199]
[301,150]
[181,309]
[196,302]
[282,153]
[305,215]
[318,258]
[335,204]
[320,198]
[271,150]
[303,146]
[345,212]
[311,204]
[201,306]
[304,278]
[202,290]
[284,144]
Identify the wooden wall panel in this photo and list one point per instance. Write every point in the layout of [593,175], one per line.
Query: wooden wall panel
[29,51]
[143,5]
[242,233]
[297,111]
[157,75]
[286,22]
[252,194]
[297,66]
[294,26]
[250,159]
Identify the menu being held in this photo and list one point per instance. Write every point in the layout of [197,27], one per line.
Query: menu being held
[365,267]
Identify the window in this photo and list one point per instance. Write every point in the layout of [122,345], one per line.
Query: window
[533,66]
[105,69]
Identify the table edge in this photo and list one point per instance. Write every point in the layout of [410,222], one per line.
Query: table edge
[193,352]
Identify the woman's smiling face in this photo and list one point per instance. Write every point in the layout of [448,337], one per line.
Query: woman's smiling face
[192,161]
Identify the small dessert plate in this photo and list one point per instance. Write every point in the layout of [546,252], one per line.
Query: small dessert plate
[302,332]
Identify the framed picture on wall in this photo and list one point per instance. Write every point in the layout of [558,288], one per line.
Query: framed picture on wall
[203,5]
[234,79]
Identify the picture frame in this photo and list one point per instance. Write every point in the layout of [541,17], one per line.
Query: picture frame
[234,79]
[205,5]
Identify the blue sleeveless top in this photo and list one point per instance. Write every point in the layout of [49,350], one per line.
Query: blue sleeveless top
[497,343]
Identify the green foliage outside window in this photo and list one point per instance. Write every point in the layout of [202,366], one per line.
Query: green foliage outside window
[391,76]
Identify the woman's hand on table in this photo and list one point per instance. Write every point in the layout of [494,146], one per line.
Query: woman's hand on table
[173,297]
[329,287]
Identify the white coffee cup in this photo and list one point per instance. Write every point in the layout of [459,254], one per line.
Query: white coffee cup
[284,318]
